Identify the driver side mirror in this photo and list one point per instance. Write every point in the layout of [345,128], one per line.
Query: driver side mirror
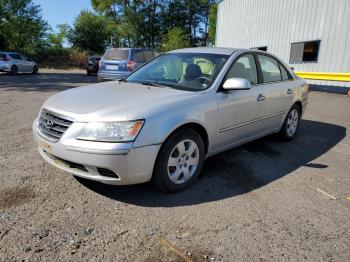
[237,84]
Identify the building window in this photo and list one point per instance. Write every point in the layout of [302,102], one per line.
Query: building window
[304,52]
[261,48]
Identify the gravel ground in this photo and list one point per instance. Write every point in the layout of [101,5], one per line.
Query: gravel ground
[265,201]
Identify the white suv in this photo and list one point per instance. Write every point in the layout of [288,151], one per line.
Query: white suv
[15,63]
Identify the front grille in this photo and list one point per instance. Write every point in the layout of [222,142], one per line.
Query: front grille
[52,126]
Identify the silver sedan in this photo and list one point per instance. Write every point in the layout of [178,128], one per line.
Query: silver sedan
[15,63]
[161,122]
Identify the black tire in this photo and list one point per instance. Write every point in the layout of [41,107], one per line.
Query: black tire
[161,177]
[35,70]
[285,132]
[14,70]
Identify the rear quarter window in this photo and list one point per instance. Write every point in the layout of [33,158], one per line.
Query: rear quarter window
[285,74]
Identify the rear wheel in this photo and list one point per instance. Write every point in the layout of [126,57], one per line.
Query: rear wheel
[291,124]
[179,161]
[14,70]
[35,70]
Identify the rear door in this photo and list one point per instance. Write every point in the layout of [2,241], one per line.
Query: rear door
[17,60]
[240,111]
[278,91]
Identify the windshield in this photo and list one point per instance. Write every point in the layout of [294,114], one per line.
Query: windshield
[187,71]
[116,54]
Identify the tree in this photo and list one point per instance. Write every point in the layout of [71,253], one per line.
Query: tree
[57,40]
[2,19]
[91,32]
[22,27]
[175,38]
[212,23]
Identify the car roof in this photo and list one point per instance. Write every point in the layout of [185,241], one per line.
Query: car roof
[208,50]
[130,48]
[9,52]
[216,50]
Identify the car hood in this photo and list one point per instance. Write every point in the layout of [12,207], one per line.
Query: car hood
[114,101]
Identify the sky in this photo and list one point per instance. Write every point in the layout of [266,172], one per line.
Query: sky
[62,11]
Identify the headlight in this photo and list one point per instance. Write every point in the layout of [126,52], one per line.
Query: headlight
[111,131]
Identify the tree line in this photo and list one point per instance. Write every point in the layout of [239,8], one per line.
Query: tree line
[161,24]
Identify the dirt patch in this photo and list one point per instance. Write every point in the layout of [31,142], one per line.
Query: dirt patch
[15,196]
[169,252]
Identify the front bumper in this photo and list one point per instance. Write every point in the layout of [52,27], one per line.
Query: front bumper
[110,75]
[85,159]
[5,68]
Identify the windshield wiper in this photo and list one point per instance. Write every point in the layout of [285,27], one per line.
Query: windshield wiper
[149,84]
[123,80]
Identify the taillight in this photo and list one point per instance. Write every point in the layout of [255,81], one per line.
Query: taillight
[131,65]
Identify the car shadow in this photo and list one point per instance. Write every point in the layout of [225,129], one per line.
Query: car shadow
[237,171]
[44,82]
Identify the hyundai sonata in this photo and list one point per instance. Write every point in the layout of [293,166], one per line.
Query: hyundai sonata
[162,121]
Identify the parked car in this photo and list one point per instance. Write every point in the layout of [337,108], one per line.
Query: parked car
[15,63]
[118,63]
[92,65]
[162,121]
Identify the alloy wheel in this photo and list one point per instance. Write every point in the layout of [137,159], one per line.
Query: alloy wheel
[292,122]
[183,161]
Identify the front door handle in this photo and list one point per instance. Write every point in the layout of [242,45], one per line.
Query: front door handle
[260,97]
[289,91]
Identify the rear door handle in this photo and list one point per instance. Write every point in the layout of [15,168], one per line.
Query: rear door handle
[289,91]
[260,97]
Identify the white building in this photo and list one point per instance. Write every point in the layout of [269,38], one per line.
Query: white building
[313,36]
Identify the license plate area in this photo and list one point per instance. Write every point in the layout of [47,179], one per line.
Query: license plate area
[46,147]
[112,67]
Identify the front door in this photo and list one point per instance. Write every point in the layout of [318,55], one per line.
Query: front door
[240,111]
[27,64]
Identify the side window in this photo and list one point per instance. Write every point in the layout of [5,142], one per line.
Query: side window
[15,56]
[270,69]
[244,67]
[284,73]
[148,55]
[138,56]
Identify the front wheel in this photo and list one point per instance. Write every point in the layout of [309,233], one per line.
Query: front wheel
[35,70]
[179,161]
[291,124]
[14,70]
